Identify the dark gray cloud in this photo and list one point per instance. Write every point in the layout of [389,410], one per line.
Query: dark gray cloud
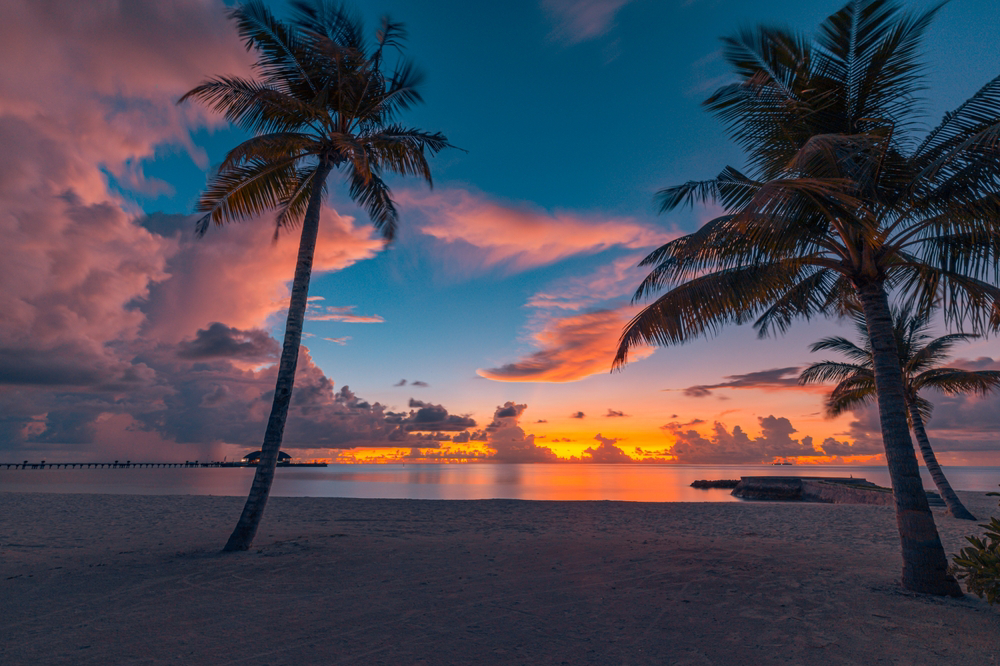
[577,415]
[612,413]
[425,416]
[401,382]
[221,341]
[774,378]
[419,383]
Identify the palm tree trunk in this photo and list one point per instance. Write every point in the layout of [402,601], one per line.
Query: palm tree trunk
[253,510]
[955,506]
[925,566]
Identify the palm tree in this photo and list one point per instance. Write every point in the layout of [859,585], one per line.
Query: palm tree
[842,204]
[920,357]
[322,102]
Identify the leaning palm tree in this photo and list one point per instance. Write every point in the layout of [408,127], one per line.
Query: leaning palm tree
[322,102]
[842,203]
[920,356]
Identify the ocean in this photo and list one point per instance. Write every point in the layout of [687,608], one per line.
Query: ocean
[537,481]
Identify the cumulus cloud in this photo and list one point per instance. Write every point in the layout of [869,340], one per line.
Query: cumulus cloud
[570,348]
[606,452]
[724,446]
[776,378]
[483,234]
[241,262]
[221,341]
[425,416]
[509,441]
[118,330]
[581,20]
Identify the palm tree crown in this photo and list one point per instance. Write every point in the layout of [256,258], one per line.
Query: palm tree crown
[321,96]
[841,193]
[842,204]
[322,101]
[921,357]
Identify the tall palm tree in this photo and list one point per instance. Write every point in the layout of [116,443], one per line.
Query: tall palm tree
[920,356]
[323,101]
[842,203]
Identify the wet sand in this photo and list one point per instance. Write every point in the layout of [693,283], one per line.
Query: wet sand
[124,579]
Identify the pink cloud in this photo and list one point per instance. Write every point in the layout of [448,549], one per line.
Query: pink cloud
[614,280]
[580,20]
[731,447]
[236,275]
[570,348]
[97,298]
[482,233]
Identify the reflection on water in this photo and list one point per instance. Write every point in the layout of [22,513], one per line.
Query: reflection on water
[645,483]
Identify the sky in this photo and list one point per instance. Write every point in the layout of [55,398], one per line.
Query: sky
[486,330]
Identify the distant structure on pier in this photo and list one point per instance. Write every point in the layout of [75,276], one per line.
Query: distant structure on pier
[254,458]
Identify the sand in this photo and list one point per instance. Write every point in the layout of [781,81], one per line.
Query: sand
[118,579]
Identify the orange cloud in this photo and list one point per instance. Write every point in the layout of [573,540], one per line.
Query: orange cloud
[570,348]
[485,233]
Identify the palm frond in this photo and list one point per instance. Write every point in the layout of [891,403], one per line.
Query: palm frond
[832,371]
[246,190]
[371,193]
[704,304]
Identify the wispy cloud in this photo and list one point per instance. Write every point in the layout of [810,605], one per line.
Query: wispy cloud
[342,313]
[580,20]
[481,233]
[776,378]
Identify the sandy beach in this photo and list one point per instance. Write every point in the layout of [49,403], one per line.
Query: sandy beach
[124,579]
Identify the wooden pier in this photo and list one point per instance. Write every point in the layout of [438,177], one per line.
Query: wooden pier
[128,464]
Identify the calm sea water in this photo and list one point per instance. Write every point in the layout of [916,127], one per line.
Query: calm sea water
[646,483]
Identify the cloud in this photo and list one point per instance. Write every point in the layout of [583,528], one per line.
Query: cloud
[571,348]
[419,383]
[483,234]
[579,20]
[340,341]
[606,452]
[614,413]
[577,415]
[342,313]
[429,417]
[120,330]
[725,447]
[776,378]
[221,341]
[509,442]
[401,382]
[616,279]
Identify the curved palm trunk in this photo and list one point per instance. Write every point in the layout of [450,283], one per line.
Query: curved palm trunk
[955,506]
[925,566]
[246,528]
